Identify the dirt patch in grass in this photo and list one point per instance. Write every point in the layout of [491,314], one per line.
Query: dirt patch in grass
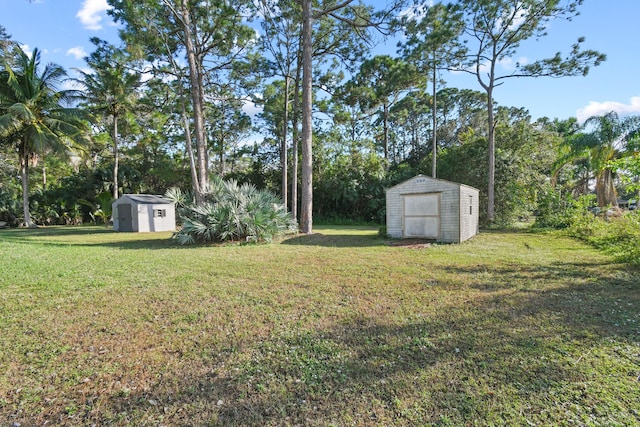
[411,243]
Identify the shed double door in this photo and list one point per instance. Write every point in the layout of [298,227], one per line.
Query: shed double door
[421,216]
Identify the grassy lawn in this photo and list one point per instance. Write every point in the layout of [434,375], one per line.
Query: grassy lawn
[338,328]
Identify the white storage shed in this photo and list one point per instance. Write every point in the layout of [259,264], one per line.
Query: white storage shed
[429,208]
[143,213]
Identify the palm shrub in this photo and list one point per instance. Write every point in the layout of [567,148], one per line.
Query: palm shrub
[230,212]
[101,209]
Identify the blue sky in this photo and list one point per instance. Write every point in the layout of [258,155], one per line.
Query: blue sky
[61,30]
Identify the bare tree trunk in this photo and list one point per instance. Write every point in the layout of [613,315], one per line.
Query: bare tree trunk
[434,145]
[385,130]
[197,98]
[283,149]
[223,165]
[491,199]
[24,175]
[195,183]
[115,158]
[306,205]
[294,146]
[605,190]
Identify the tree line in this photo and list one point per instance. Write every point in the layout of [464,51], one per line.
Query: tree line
[335,125]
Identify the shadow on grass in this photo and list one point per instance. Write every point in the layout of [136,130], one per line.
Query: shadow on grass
[107,237]
[501,358]
[11,233]
[335,240]
[90,236]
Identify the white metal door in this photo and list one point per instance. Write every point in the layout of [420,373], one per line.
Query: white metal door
[422,216]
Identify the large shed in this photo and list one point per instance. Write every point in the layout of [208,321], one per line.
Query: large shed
[143,213]
[429,208]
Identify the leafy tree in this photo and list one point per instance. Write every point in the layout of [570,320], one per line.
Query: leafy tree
[281,27]
[524,156]
[493,32]
[110,92]
[458,111]
[380,83]
[629,165]
[571,171]
[35,116]
[603,140]
[6,43]
[349,22]
[409,119]
[212,35]
[232,126]
[432,43]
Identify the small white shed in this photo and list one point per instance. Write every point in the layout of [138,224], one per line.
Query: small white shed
[143,213]
[429,208]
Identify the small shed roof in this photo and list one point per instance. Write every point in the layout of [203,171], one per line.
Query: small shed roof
[148,199]
[430,179]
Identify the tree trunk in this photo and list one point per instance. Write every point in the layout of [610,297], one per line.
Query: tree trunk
[195,182]
[434,145]
[223,165]
[492,159]
[283,148]
[24,175]
[306,205]
[197,98]
[294,145]
[605,190]
[115,158]
[385,130]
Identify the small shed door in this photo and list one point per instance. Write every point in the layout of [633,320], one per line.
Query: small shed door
[422,216]
[125,217]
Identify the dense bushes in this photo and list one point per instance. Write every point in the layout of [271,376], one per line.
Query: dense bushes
[615,232]
[230,212]
[617,235]
[555,210]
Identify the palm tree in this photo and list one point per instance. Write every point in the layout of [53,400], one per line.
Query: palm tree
[35,116]
[110,91]
[601,142]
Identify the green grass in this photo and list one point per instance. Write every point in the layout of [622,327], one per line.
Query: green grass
[337,328]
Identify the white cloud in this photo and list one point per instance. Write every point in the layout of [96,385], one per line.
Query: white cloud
[92,13]
[415,12]
[77,52]
[601,108]
[26,49]
[251,108]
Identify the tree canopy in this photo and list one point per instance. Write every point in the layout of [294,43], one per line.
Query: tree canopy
[295,97]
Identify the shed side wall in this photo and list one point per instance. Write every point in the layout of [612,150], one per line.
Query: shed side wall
[469,210]
[114,215]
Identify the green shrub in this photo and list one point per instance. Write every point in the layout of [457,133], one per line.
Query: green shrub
[554,210]
[617,235]
[231,212]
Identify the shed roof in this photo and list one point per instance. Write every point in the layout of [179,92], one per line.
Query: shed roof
[428,178]
[148,199]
